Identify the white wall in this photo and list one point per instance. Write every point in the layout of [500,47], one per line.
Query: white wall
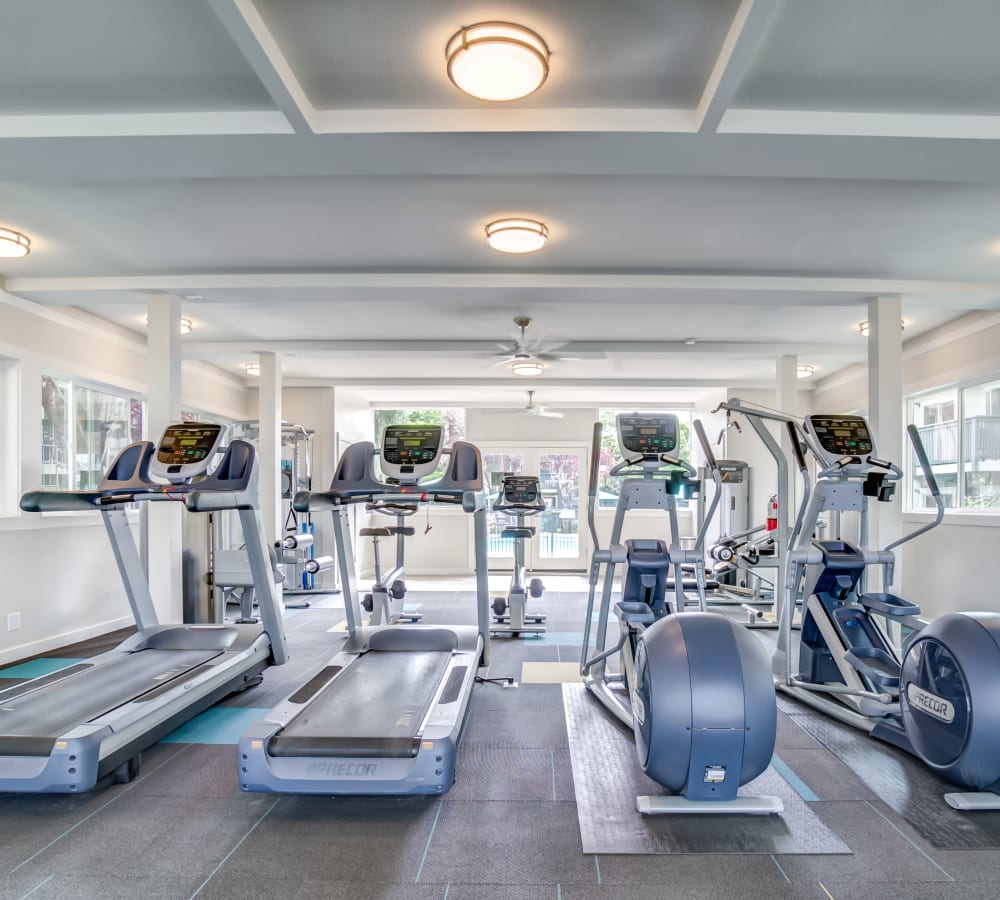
[58,570]
[948,569]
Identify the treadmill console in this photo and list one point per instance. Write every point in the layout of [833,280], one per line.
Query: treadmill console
[521,490]
[840,436]
[649,434]
[186,450]
[410,452]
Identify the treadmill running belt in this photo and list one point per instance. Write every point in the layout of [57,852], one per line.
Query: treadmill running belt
[373,708]
[54,709]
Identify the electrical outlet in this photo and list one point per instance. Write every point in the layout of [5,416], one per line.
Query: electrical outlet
[14,621]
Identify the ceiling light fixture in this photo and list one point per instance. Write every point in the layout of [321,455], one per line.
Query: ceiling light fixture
[517,235]
[497,61]
[252,368]
[13,244]
[527,368]
[865,327]
[805,371]
[185,325]
[690,342]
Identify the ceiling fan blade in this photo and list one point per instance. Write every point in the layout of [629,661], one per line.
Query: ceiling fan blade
[549,413]
[546,346]
[503,412]
[506,361]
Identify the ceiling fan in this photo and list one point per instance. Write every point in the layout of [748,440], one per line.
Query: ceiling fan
[530,357]
[532,409]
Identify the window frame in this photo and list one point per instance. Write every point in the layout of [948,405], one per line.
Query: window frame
[76,383]
[960,513]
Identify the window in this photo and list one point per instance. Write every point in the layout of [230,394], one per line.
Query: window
[960,429]
[83,430]
[608,487]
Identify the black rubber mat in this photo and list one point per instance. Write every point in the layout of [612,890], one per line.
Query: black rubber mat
[608,779]
[904,784]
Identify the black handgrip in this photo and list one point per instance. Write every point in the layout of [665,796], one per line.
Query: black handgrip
[595,457]
[706,448]
[925,463]
[793,437]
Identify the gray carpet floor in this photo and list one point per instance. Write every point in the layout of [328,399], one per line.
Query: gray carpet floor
[508,829]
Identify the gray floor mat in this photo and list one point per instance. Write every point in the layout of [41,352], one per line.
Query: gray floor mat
[905,784]
[608,780]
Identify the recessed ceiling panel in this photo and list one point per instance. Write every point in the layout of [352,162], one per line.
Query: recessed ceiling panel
[386,53]
[913,56]
[118,56]
[904,230]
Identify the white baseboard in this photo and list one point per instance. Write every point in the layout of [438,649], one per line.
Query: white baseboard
[34,648]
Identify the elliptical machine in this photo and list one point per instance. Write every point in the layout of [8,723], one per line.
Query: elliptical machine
[920,700]
[385,600]
[520,496]
[694,687]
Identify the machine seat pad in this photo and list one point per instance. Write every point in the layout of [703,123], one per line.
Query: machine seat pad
[375,532]
[515,532]
[405,530]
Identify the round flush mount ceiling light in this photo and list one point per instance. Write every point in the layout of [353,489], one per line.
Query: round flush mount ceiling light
[517,235]
[527,368]
[13,244]
[865,327]
[805,371]
[251,368]
[497,61]
[185,325]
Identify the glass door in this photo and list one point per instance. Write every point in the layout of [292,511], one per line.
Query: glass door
[495,466]
[561,538]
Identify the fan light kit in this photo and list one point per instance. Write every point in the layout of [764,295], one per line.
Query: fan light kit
[497,61]
[527,368]
[865,327]
[252,368]
[13,244]
[805,371]
[517,235]
[185,325]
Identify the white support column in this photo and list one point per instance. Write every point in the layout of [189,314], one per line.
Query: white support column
[787,400]
[885,406]
[269,415]
[165,547]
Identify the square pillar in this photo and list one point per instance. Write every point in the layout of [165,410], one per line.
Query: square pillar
[163,538]
[269,415]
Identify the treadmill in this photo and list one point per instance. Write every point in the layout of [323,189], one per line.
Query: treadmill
[62,732]
[384,715]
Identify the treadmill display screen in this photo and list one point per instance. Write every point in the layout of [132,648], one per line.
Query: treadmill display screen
[843,435]
[521,490]
[650,434]
[186,444]
[408,445]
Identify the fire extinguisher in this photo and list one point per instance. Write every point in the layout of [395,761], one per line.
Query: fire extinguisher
[772,512]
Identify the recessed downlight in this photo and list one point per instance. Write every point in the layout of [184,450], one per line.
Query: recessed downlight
[497,61]
[517,235]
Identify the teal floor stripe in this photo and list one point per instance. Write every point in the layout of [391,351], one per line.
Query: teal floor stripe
[798,785]
[36,667]
[562,638]
[219,725]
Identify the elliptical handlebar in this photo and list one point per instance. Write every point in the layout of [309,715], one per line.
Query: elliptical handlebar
[925,467]
[595,468]
[713,466]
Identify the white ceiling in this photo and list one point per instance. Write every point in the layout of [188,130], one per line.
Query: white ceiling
[303,175]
